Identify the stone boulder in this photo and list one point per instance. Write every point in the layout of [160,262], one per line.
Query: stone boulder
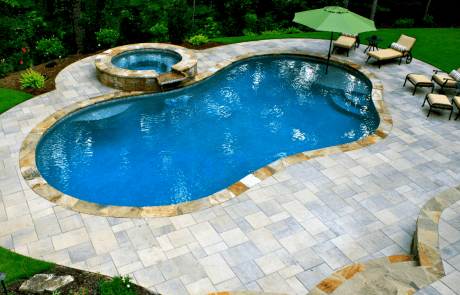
[45,283]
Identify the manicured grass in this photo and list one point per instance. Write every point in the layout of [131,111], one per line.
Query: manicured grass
[437,47]
[18,267]
[9,98]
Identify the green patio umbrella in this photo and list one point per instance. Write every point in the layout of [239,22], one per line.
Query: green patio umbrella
[334,19]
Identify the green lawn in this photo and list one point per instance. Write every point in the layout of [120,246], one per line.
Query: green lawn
[18,267]
[9,98]
[437,47]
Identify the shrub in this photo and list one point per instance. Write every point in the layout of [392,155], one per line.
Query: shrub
[211,28]
[160,33]
[5,67]
[117,286]
[292,30]
[428,21]
[404,23]
[50,48]
[198,39]
[32,79]
[251,22]
[247,32]
[274,32]
[107,37]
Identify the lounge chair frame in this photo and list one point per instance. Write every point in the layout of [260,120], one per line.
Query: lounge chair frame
[406,54]
[419,84]
[443,85]
[356,45]
[438,106]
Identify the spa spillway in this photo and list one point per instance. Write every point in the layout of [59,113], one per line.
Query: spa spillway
[145,66]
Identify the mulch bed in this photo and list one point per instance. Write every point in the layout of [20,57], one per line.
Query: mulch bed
[86,283]
[11,81]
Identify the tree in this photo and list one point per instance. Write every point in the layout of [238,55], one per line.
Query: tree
[77,30]
[374,9]
[345,3]
[426,9]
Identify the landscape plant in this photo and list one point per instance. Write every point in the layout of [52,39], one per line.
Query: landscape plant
[32,79]
[107,38]
[50,48]
[117,286]
[198,39]
[159,33]
[404,23]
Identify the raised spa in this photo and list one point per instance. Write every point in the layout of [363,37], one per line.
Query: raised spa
[146,66]
[147,59]
[173,147]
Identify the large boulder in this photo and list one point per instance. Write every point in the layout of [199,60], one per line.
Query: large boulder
[45,282]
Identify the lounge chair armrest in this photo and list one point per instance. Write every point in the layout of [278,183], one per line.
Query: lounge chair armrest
[436,71]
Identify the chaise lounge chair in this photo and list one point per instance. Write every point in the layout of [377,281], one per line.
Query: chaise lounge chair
[347,41]
[446,81]
[401,49]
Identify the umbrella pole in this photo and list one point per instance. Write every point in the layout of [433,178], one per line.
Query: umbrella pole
[329,54]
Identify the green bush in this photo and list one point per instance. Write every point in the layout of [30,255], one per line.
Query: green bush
[247,32]
[404,23]
[160,33]
[5,67]
[50,48]
[251,22]
[198,39]
[107,37]
[32,79]
[428,21]
[292,30]
[211,28]
[117,286]
[273,32]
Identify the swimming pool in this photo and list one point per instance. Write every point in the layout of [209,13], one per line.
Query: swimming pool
[255,112]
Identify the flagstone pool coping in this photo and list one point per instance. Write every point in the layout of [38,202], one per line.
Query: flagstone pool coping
[39,185]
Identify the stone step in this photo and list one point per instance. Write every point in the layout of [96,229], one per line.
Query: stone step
[398,274]
[170,78]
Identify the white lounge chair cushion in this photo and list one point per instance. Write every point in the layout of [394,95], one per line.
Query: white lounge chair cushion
[350,35]
[398,47]
[456,75]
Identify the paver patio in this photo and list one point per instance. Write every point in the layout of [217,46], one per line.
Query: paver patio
[284,235]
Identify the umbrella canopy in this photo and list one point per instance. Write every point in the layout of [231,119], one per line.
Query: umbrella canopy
[334,19]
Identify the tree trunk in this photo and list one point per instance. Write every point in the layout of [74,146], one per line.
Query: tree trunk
[374,9]
[193,18]
[77,30]
[345,4]
[426,9]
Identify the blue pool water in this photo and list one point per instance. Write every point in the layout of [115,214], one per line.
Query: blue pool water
[174,147]
[147,59]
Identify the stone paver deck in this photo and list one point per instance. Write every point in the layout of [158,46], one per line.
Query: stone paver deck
[284,235]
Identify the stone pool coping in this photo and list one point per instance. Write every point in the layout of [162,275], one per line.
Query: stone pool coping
[146,80]
[37,183]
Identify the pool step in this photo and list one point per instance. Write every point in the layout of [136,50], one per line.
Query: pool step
[170,78]
[344,104]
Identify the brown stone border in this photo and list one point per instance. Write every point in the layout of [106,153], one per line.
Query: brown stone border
[425,244]
[41,187]
[129,80]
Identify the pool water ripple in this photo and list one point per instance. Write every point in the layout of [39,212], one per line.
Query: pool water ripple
[170,148]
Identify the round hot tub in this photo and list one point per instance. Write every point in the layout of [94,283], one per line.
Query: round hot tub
[147,59]
[146,66]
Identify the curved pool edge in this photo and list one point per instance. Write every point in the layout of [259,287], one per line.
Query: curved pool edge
[36,182]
